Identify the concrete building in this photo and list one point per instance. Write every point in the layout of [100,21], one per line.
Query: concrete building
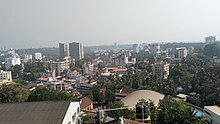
[63,50]
[38,56]
[59,67]
[210,39]
[212,114]
[88,68]
[154,49]
[136,48]
[28,57]
[12,61]
[84,87]
[181,52]
[161,70]
[5,77]
[76,50]
[46,112]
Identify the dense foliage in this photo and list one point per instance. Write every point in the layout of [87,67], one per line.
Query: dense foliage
[12,93]
[46,94]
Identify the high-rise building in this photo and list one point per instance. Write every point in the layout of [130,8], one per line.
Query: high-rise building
[210,39]
[135,48]
[12,61]
[161,70]
[154,48]
[181,52]
[76,50]
[63,50]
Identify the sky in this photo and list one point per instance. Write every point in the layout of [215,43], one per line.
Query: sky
[45,23]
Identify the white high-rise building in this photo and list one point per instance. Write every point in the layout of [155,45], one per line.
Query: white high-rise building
[63,50]
[12,61]
[181,52]
[38,56]
[76,50]
[5,77]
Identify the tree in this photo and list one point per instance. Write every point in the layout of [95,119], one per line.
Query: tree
[12,93]
[130,114]
[46,94]
[176,113]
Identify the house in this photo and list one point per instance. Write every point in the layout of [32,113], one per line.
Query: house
[86,104]
[46,112]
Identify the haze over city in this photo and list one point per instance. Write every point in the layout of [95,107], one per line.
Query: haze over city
[45,23]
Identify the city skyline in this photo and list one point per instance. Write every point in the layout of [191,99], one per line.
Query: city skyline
[26,24]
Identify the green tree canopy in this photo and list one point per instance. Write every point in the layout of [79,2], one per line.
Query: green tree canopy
[46,94]
[12,93]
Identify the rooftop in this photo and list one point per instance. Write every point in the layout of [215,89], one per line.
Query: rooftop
[47,112]
[215,109]
[132,99]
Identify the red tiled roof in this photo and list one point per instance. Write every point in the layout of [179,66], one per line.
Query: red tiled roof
[85,102]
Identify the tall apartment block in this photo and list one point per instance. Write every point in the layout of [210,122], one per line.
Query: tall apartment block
[76,50]
[63,50]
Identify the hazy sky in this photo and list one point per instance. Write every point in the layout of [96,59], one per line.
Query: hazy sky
[45,23]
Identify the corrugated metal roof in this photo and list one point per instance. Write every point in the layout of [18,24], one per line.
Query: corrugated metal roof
[47,112]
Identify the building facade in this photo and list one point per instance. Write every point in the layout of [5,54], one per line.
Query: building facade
[5,77]
[181,52]
[38,56]
[76,50]
[12,61]
[154,49]
[161,70]
[63,50]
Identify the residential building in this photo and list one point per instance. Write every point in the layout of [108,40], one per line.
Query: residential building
[63,50]
[88,68]
[46,112]
[5,77]
[210,39]
[161,70]
[181,52]
[76,50]
[59,67]
[84,87]
[12,61]
[27,57]
[136,48]
[154,49]
[38,56]
[212,114]
[86,104]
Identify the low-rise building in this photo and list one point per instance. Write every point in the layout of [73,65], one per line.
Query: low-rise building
[86,104]
[212,114]
[5,77]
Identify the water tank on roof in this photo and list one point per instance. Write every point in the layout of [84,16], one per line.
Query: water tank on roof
[142,111]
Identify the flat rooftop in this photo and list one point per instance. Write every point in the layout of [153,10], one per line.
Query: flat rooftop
[215,109]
